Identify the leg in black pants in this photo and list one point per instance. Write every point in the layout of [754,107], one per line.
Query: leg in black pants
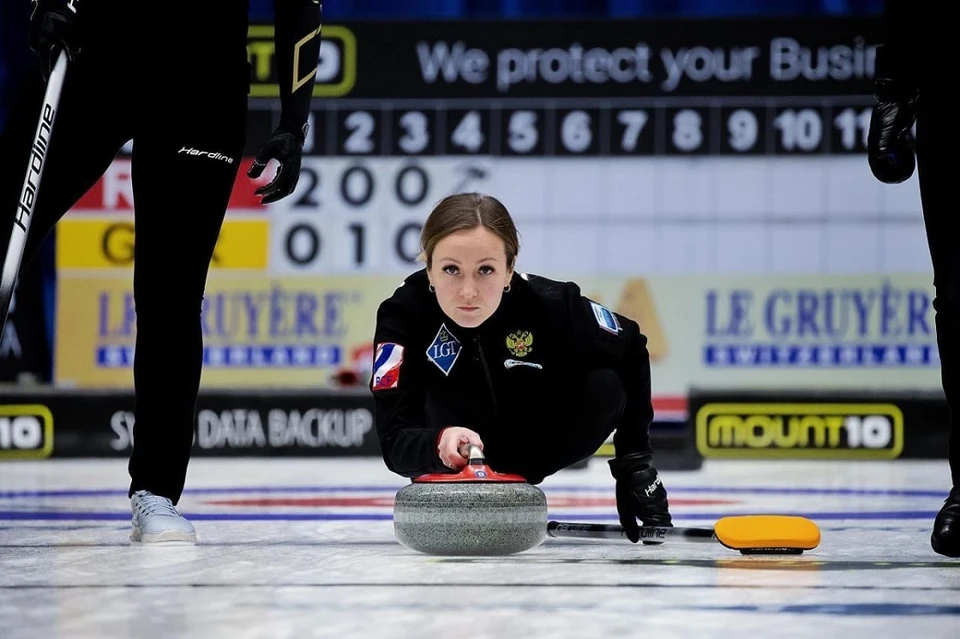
[181,199]
[575,434]
[937,136]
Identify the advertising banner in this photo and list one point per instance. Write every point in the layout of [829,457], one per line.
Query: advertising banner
[783,332]
[258,331]
[583,58]
[814,430]
[79,423]
[822,424]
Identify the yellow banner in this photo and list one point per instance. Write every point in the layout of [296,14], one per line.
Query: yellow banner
[109,242]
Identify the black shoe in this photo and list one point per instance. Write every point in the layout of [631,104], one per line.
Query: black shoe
[946,527]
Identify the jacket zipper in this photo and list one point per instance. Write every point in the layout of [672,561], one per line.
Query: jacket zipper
[486,374]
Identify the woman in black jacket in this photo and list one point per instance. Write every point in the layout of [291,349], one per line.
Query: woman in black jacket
[527,368]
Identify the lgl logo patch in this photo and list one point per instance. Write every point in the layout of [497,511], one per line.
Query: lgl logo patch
[444,350]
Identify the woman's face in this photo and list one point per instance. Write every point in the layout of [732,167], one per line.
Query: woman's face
[469,272]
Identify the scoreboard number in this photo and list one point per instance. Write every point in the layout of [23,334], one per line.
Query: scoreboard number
[413,132]
[524,132]
[357,185]
[743,130]
[800,130]
[307,188]
[633,123]
[358,132]
[416,134]
[686,130]
[304,244]
[852,126]
[631,132]
[469,134]
[578,131]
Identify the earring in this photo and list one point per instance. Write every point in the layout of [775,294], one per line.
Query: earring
[506,289]
[431,289]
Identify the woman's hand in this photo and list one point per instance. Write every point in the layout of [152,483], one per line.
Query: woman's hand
[454,446]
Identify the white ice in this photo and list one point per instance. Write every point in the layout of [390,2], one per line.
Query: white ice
[305,548]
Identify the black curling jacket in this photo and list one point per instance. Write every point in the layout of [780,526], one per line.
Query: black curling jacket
[912,55]
[177,45]
[517,371]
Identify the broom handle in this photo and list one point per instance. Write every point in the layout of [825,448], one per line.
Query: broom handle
[615,531]
[30,187]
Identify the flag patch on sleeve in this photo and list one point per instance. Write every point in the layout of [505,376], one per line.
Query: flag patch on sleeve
[605,318]
[386,366]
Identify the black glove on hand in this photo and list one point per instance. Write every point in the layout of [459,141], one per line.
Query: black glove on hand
[53,26]
[286,147]
[640,494]
[890,147]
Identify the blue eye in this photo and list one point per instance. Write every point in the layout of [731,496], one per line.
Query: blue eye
[450,269]
[487,270]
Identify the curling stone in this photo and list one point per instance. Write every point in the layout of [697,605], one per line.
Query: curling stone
[474,512]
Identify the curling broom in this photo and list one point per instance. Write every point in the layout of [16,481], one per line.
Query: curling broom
[31,185]
[750,534]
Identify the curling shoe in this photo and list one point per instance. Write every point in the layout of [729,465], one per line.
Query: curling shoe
[156,519]
[946,527]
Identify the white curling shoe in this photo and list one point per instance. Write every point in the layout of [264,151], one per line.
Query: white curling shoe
[156,519]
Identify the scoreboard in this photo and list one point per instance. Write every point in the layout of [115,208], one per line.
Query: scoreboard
[619,146]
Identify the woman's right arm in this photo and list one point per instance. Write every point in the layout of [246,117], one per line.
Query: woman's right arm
[408,444]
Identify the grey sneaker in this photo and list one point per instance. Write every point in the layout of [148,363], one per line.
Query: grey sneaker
[156,519]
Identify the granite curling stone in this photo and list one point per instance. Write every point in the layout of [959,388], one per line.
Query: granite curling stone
[474,512]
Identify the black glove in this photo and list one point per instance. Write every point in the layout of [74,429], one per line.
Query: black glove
[890,145]
[53,26]
[640,494]
[286,147]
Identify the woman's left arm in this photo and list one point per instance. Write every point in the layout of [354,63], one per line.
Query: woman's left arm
[613,341]
[610,340]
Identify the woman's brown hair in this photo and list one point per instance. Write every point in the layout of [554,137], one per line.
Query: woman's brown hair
[464,211]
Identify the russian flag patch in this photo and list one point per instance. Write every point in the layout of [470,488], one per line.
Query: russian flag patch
[386,366]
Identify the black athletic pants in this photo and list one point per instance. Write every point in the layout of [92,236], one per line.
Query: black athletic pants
[180,202]
[937,136]
[574,432]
